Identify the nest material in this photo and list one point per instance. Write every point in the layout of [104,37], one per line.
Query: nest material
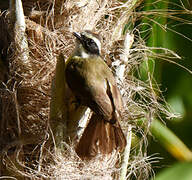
[25,95]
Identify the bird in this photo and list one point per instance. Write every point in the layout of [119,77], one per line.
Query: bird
[93,84]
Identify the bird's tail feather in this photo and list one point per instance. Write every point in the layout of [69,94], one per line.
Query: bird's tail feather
[100,137]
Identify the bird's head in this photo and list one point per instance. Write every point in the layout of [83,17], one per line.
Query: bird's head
[88,44]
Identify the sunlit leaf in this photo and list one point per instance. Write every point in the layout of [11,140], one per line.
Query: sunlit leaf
[177,172]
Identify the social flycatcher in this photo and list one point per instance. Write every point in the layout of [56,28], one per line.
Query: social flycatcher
[93,84]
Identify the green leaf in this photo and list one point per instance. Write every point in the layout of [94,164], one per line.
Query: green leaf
[177,104]
[170,141]
[177,172]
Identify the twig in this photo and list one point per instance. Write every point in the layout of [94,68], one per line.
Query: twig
[126,154]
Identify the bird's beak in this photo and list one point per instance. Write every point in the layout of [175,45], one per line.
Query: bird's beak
[77,35]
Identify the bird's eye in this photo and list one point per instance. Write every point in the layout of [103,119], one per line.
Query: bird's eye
[91,41]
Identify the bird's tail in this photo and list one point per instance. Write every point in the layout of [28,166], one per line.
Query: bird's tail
[100,137]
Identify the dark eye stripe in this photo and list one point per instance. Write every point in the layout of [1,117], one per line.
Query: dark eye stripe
[90,45]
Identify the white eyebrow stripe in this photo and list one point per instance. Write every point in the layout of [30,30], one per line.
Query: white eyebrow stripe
[97,42]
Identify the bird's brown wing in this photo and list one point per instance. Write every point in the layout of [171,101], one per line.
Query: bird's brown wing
[106,98]
[93,83]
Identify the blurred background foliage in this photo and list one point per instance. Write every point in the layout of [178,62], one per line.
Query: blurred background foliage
[175,82]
